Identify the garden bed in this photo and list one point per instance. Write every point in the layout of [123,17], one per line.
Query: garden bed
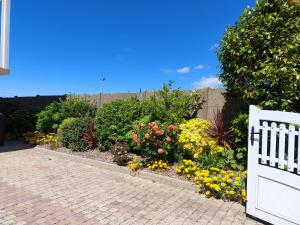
[107,157]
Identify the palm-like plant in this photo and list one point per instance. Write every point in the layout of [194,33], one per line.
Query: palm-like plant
[219,131]
[89,136]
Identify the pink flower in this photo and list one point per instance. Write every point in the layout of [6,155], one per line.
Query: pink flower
[173,127]
[160,132]
[135,138]
[168,139]
[160,151]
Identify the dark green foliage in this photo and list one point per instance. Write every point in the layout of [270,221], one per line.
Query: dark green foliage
[168,106]
[21,121]
[260,56]
[115,119]
[72,133]
[224,160]
[51,117]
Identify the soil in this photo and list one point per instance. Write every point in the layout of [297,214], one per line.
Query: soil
[108,158]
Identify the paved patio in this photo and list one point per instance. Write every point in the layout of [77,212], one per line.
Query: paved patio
[36,188]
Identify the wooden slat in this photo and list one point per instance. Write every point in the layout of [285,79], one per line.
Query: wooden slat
[273,144]
[291,148]
[281,146]
[264,143]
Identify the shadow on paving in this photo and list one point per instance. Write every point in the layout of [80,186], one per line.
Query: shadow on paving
[10,146]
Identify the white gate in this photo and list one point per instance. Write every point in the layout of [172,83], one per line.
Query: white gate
[273,185]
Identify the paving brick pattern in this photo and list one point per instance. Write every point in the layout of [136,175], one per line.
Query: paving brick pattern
[37,189]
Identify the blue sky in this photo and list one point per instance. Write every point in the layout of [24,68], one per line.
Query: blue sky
[66,46]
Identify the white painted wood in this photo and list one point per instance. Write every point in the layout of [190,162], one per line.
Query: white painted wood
[298,167]
[273,144]
[282,131]
[264,143]
[291,148]
[273,189]
[5,34]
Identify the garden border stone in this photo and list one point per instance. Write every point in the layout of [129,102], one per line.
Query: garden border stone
[108,166]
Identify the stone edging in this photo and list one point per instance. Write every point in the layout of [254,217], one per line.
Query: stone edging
[108,166]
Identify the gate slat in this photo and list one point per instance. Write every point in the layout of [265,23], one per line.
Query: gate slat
[291,149]
[264,143]
[298,151]
[282,131]
[273,144]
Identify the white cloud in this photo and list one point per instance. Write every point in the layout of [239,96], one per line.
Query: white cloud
[199,67]
[207,82]
[214,47]
[184,70]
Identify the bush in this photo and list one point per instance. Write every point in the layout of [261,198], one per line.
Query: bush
[194,139]
[156,142]
[115,119]
[259,56]
[225,160]
[22,121]
[52,116]
[72,131]
[120,153]
[168,106]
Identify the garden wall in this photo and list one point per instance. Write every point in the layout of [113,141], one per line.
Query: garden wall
[214,99]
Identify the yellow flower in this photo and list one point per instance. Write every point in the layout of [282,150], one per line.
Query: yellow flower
[235,183]
[223,184]
[237,178]
[207,193]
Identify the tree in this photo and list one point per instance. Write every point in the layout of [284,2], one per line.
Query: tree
[260,56]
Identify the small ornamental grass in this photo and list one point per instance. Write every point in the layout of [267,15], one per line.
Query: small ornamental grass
[215,182]
[158,165]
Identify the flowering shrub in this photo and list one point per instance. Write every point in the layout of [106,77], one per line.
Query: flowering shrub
[156,142]
[135,164]
[195,139]
[50,139]
[38,138]
[33,138]
[228,185]
[158,165]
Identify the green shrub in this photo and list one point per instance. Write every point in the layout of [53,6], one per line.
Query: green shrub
[72,131]
[65,122]
[22,121]
[51,117]
[259,56]
[169,106]
[115,119]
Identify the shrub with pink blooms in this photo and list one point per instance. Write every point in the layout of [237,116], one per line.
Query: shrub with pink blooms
[157,142]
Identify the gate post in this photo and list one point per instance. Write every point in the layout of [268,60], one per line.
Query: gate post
[253,145]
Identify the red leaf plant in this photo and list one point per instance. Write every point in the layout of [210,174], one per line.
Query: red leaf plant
[89,136]
[219,131]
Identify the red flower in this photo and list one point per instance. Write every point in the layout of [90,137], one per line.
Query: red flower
[158,143]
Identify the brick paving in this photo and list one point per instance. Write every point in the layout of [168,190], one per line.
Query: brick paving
[36,188]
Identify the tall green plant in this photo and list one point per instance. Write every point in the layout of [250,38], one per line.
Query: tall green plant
[260,55]
[172,106]
[49,119]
